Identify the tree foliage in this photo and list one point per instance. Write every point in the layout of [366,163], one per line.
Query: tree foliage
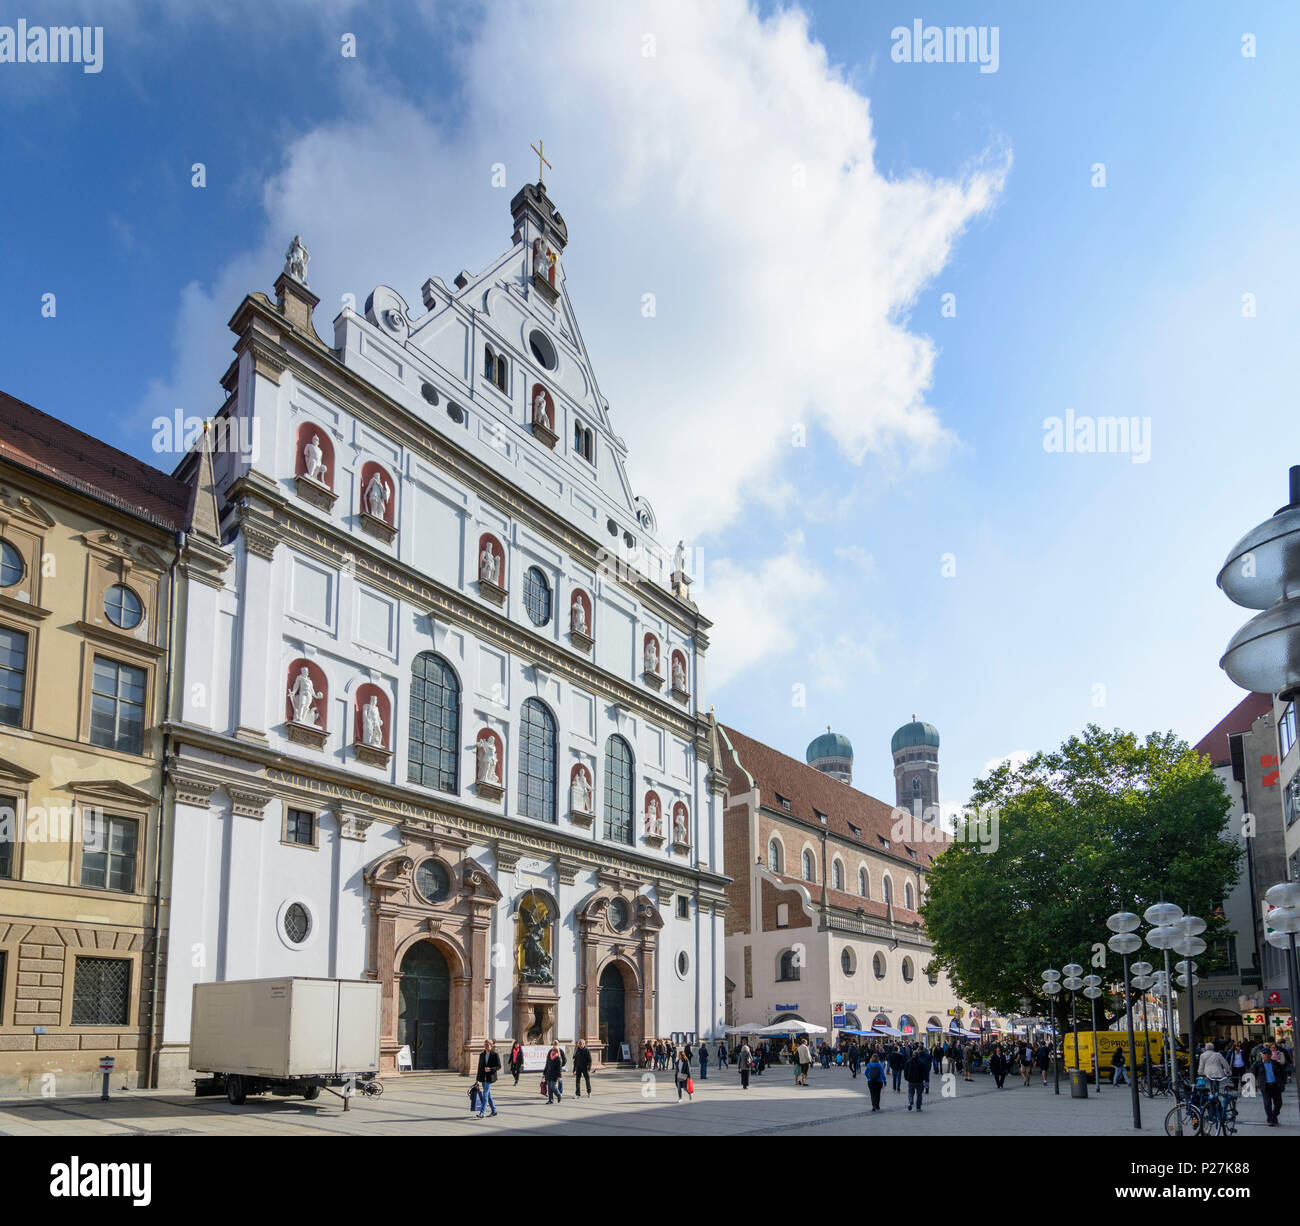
[1104,824]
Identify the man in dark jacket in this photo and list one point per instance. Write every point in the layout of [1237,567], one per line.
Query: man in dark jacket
[998,1067]
[854,1056]
[489,1065]
[581,1068]
[916,1072]
[1270,1077]
[896,1062]
[554,1074]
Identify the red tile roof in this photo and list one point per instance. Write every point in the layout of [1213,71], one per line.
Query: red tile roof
[1239,719]
[43,444]
[809,792]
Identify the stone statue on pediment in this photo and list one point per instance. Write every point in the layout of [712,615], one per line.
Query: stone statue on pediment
[295,260]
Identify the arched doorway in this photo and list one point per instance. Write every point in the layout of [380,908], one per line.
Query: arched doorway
[613,1013]
[424,1021]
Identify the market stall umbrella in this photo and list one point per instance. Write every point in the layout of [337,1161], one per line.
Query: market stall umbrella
[794,1026]
[748,1028]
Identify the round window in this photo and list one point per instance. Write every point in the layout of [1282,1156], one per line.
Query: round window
[542,349]
[122,607]
[908,970]
[432,880]
[934,979]
[846,961]
[297,923]
[537,596]
[429,392]
[878,965]
[683,964]
[11,565]
[456,413]
[618,914]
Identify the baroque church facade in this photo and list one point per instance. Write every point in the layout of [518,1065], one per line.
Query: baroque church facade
[441,727]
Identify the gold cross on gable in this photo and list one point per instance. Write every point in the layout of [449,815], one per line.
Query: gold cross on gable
[541,161]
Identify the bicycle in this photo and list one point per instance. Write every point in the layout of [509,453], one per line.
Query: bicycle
[1219,1113]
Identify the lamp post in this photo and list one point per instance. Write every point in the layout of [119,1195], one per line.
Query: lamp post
[1164,936]
[1052,985]
[1092,989]
[1191,927]
[1285,922]
[1124,925]
[1142,982]
[1073,983]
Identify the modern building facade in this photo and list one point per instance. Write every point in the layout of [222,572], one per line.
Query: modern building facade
[823,922]
[94,547]
[443,727]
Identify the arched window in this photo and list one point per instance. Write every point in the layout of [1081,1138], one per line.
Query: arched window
[434,747]
[774,858]
[809,867]
[537,596]
[789,966]
[537,762]
[916,789]
[888,887]
[878,966]
[909,971]
[489,364]
[501,373]
[584,442]
[864,883]
[837,875]
[908,899]
[618,790]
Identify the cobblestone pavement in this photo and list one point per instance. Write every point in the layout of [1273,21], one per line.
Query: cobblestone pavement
[436,1104]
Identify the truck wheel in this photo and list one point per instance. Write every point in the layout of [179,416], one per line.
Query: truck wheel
[312,1092]
[236,1092]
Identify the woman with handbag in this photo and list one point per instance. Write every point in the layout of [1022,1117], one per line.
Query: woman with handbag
[682,1076]
[489,1065]
[516,1063]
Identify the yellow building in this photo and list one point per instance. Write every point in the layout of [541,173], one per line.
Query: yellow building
[93,548]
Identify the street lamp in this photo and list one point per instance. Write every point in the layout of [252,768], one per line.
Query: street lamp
[1073,983]
[1052,985]
[1191,927]
[1092,989]
[1142,980]
[1124,925]
[1164,936]
[1285,922]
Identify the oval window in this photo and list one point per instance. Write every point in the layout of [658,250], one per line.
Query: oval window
[542,349]
[11,565]
[433,881]
[618,914]
[122,607]
[537,596]
[297,923]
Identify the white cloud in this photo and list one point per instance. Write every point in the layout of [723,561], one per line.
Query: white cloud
[730,174]
[1017,758]
[758,612]
[857,557]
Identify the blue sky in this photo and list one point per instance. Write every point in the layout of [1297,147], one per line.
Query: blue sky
[924,433]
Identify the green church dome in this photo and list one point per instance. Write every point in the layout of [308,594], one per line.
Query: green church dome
[829,745]
[914,735]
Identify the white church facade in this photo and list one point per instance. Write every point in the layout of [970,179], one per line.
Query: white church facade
[443,726]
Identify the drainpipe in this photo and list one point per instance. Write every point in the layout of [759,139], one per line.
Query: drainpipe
[152,1069]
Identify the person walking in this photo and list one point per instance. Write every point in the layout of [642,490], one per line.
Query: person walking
[1119,1071]
[489,1065]
[682,1076]
[998,1067]
[967,1061]
[704,1062]
[554,1073]
[1269,1077]
[917,1073]
[803,1057]
[854,1058]
[516,1062]
[1040,1058]
[1237,1058]
[1212,1066]
[875,1075]
[1026,1062]
[581,1068]
[722,1054]
[896,1062]
[744,1061]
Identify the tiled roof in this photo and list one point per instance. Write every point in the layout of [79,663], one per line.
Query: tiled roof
[43,444]
[810,792]
[1239,719]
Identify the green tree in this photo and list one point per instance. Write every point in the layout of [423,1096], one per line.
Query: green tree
[1106,823]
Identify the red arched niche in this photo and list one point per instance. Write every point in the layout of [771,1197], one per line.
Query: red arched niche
[359,703]
[308,432]
[368,470]
[316,676]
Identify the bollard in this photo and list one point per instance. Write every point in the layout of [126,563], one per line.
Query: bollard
[105,1067]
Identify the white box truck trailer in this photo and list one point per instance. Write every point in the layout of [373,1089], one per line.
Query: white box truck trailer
[285,1036]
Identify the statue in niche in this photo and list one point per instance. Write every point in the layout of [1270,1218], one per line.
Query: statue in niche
[581,792]
[651,657]
[679,826]
[534,941]
[295,260]
[314,461]
[378,492]
[654,818]
[579,622]
[489,564]
[545,261]
[679,674]
[540,415]
[302,695]
[487,761]
[372,723]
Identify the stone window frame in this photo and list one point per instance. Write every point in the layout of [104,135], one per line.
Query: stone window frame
[107,568]
[774,837]
[313,921]
[16,782]
[29,676]
[837,866]
[887,889]
[909,897]
[112,805]
[29,540]
[118,653]
[805,852]
[285,809]
[70,955]
[794,976]
[864,874]
[8,983]
[882,974]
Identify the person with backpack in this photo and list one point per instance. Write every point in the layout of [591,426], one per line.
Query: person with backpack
[1026,1062]
[489,1065]
[744,1062]
[875,1074]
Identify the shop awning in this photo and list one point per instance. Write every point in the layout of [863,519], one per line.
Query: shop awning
[886,1030]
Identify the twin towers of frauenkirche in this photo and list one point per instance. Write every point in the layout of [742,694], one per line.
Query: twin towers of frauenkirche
[915,748]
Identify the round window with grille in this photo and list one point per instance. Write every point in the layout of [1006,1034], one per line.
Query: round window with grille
[432,880]
[297,923]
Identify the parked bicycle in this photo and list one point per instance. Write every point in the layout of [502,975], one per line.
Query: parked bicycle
[1209,1109]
